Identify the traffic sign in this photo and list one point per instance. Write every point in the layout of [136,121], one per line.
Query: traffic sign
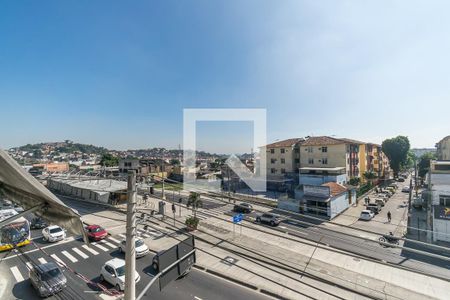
[237,218]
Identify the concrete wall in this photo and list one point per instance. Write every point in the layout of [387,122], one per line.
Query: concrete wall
[441,230]
[338,205]
[320,179]
[289,204]
[443,149]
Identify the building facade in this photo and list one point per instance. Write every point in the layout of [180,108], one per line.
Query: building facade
[329,152]
[439,190]
[443,149]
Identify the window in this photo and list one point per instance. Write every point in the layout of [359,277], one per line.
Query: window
[283,171]
[324,161]
[297,150]
[444,200]
[273,170]
[282,150]
[324,149]
[297,160]
[310,161]
[310,149]
[109,270]
[273,160]
[283,160]
[272,151]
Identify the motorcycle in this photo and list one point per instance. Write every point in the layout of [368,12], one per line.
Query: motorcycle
[390,239]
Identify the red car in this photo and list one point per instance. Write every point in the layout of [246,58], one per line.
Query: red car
[96,232]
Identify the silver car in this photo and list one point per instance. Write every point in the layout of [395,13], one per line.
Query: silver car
[47,279]
[271,219]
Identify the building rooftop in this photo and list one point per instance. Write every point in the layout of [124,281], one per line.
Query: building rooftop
[285,143]
[327,140]
[335,188]
[100,185]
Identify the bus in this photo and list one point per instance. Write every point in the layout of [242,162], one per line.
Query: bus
[14,234]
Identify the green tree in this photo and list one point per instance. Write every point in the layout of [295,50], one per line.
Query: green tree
[354,181]
[174,162]
[370,176]
[108,160]
[396,149]
[424,163]
[195,202]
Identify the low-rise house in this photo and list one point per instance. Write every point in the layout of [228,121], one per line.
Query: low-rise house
[439,190]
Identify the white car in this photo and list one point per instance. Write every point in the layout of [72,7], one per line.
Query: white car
[366,215]
[405,189]
[53,233]
[140,247]
[113,271]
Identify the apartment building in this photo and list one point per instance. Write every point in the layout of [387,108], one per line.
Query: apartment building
[319,155]
[283,157]
[443,149]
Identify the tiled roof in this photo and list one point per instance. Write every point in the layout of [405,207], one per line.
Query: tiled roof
[322,140]
[326,140]
[285,143]
[352,141]
[335,188]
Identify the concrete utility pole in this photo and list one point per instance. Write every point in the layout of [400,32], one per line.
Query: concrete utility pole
[130,255]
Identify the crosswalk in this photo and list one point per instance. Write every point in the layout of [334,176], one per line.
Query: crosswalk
[68,256]
[204,214]
[149,233]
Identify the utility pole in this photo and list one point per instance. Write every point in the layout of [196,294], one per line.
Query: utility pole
[163,196]
[130,255]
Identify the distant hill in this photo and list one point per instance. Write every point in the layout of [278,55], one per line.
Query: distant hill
[63,147]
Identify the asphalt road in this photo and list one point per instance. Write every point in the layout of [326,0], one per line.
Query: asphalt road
[15,283]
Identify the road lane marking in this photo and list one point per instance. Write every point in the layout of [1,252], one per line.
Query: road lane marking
[59,260]
[100,247]
[197,298]
[42,260]
[29,265]
[114,240]
[86,247]
[69,256]
[80,253]
[16,273]
[109,244]
[121,235]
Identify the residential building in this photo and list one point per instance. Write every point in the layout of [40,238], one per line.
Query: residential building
[53,167]
[282,163]
[443,149]
[439,191]
[326,200]
[145,167]
[330,152]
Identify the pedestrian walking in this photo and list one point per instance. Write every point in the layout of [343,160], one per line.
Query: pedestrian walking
[389,216]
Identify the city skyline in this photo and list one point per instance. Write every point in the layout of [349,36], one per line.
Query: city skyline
[318,68]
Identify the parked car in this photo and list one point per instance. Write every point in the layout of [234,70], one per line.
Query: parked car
[393,185]
[243,208]
[38,223]
[374,207]
[380,201]
[96,232]
[401,179]
[417,202]
[383,196]
[271,219]
[47,279]
[405,189]
[366,215]
[140,247]
[53,233]
[113,271]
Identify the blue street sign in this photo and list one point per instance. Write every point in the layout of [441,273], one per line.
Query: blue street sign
[237,218]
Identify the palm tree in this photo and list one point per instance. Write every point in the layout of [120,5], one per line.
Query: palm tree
[370,176]
[194,201]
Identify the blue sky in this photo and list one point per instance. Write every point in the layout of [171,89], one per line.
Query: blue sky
[118,74]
